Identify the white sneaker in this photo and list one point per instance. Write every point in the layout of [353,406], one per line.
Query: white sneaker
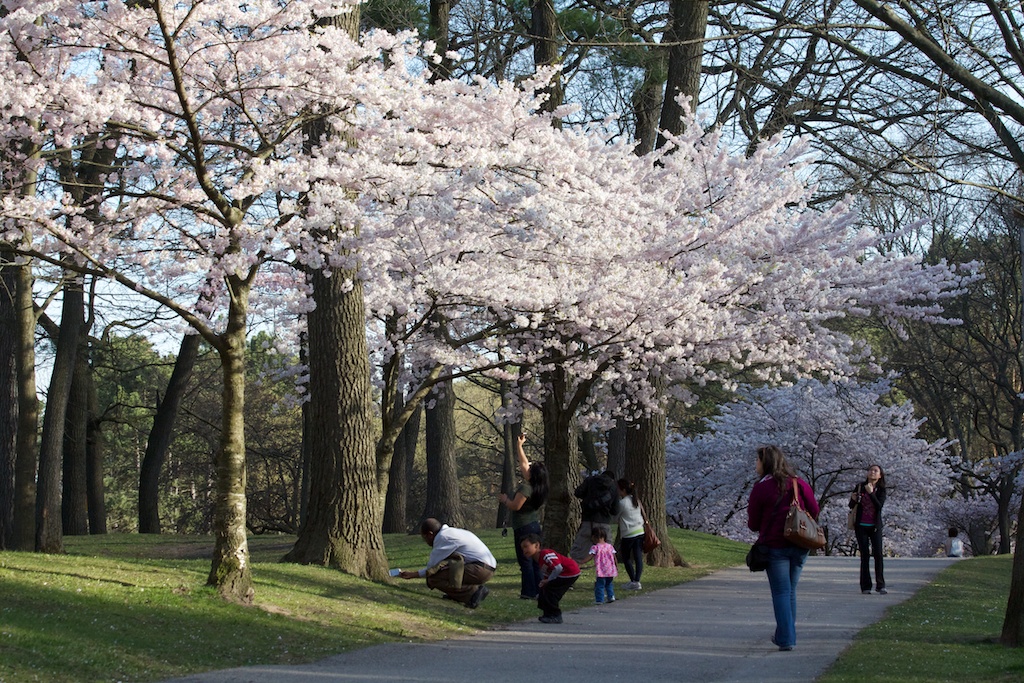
[637,586]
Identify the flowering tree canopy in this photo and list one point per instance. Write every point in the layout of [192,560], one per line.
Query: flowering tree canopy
[831,433]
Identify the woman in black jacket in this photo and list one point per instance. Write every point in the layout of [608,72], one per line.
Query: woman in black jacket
[868,499]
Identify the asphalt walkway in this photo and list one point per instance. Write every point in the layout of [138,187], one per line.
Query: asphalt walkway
[713,630]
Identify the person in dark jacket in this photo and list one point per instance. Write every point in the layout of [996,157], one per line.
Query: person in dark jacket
[599,504]
[867,499]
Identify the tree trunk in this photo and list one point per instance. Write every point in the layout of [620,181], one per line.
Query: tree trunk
[688,21]
[49,537]
[561,455]
[1013,621]
[1012,634]
[509,434]
[8,397]
[162,432]
[307,427]
[343,526]
[75,500]
[396,505]
[230,571]
[647,103]
[440,11]
[94,464]
[645,466]
[443,501]
[28,413]
[544,35]
[617,448]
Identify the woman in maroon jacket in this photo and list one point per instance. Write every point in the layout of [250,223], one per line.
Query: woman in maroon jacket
[767,508]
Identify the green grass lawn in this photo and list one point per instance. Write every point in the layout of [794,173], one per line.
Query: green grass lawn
[136,608]
[946,632]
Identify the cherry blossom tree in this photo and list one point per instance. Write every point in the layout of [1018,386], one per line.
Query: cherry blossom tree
[492,240]
[831,432]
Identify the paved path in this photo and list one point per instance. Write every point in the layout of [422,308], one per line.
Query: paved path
[715,629]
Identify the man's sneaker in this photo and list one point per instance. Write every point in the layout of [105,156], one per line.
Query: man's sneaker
[477,597]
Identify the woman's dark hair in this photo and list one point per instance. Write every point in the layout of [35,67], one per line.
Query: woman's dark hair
[953,532]
[538,478]
[630,489]
[881,479]
[773,463]
[598,534]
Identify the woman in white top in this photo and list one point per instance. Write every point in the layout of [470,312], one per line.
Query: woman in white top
[631,532]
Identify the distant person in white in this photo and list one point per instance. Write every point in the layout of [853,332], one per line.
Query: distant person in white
[954,546]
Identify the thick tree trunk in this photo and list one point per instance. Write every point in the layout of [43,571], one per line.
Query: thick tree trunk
[688,21]
[8,396]
[443,501]
[343,526]
[49,536]
[561,455]
[24,537]
[75,501]
[162,432]
[230,571]
[645,466]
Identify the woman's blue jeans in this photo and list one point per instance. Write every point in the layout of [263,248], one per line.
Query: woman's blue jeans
[528,568]
[784,567]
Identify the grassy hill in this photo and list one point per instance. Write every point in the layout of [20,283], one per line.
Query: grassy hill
[135,608]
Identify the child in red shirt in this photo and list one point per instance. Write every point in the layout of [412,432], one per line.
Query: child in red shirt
[558,574]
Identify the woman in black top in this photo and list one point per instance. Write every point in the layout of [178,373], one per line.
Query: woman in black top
[868,499]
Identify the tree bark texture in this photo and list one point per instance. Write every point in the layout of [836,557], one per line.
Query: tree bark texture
[562,457]
[94,464]
[75,487]
[544,34]
[440,10]
[49,532]
[230,571]
[343,525]
[396,504]
[1012,633]
[509,434]
[162,432]
[8,396]
[616,439]
[28,413]
[647,103]
[688,21]
[443,501]
[645,467]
